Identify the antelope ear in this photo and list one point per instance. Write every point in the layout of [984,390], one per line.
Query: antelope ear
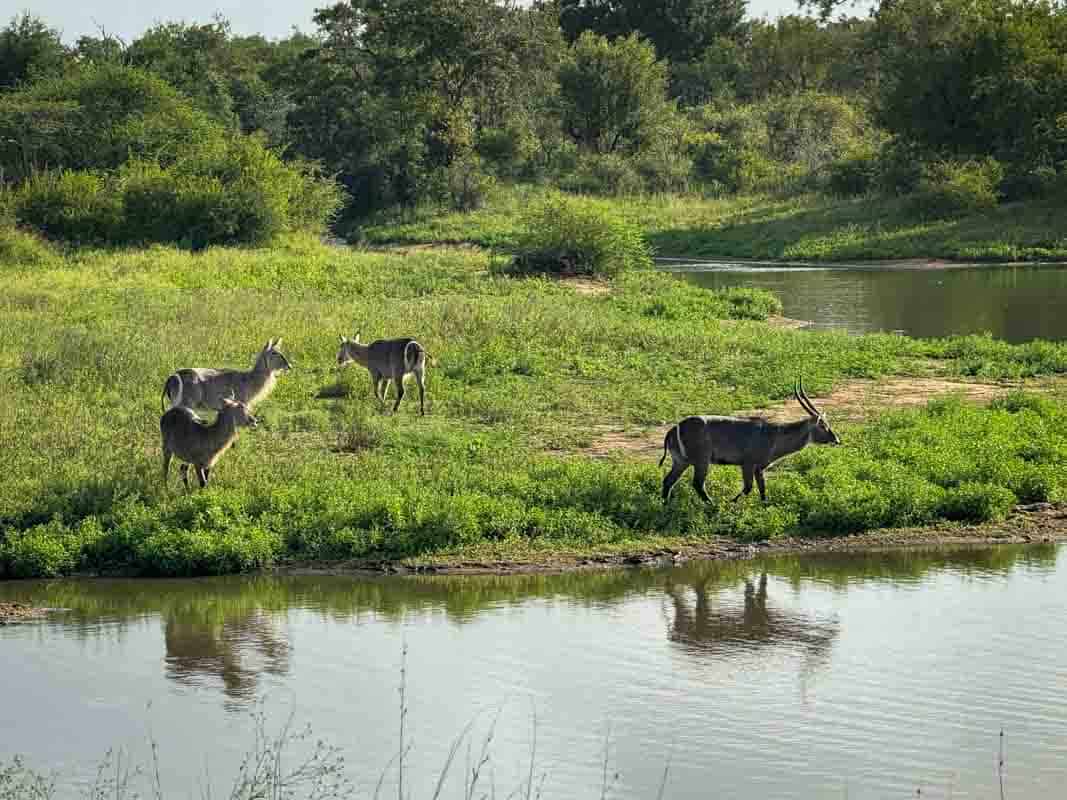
[277,343]
[341,336]
[356,338]
[268,344]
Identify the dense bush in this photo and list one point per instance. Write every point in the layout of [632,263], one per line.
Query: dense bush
[78,207]
[951,188]
[97,118]
[578,235]
[229,191]
[603,174]
[857,173]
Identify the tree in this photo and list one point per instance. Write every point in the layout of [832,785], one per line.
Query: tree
[680,30]
[973,78]
[611,92]
[29,49]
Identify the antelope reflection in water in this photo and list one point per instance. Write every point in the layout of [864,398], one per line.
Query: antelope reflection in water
[700,626]
[236,651]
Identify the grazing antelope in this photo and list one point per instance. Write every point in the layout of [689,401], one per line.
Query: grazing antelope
[195,442]
[388,360]
[200,387]
[751,443]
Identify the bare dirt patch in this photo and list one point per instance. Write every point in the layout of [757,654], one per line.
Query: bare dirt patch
[586,286]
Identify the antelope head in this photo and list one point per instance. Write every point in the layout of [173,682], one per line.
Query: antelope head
[821,432]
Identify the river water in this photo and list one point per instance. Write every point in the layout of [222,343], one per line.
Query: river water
[1014,303]
[859,676]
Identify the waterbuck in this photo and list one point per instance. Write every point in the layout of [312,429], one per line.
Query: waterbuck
[200,387]
[388,360]
[195,442]
[751,443]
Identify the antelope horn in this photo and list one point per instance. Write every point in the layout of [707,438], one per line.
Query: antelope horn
[806,401]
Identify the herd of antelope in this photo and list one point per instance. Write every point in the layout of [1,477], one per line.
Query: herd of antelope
[751,443]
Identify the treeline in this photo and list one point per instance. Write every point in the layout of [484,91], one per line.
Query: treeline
[190,133]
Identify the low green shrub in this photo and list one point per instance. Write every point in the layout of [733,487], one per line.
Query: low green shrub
[606,174]
[23,248]
[857,173]
[78,207]
[578,235]
[951,188]
[467,184]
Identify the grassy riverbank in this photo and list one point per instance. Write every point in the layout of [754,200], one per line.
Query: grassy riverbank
[530,373]
[806,227]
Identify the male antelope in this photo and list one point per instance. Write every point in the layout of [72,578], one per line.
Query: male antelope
[751,443]
[195,442]
[388,360]
[200,387]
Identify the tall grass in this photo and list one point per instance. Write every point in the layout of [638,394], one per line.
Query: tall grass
[526,368]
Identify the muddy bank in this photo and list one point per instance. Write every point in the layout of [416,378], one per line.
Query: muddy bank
[18,612]
[1034,523]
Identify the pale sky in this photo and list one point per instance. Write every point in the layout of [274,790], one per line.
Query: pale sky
[273,18]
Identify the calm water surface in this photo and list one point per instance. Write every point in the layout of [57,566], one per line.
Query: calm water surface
[866,676]
[1014,303]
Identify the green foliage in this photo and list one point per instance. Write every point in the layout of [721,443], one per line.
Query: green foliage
[995,67]
[603,174]
[680,31]
[611,92]
[102,117]
[952,189]
[77,207]
[29,50]
[856,173]
[22,248]
[577,235]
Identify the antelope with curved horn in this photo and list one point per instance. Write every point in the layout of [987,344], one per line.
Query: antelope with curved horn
[751,443]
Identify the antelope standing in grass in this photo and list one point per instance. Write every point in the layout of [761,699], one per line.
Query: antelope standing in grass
[200,387]
[195,442]
[751,443]
[388,360]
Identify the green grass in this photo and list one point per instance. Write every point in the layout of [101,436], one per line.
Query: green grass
[809,227]
[529,371]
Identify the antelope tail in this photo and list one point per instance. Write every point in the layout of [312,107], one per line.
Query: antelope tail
[666,439]
[174,396]
[409,363]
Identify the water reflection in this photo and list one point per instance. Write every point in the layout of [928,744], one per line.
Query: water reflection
[230,632]
[1014,303]
[236,651]
[705,625]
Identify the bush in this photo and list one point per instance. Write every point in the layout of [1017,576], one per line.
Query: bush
[855,174]
[951,189]
[96,118]
[1030,183]
[578,235]
[468,186]
[22,248]
[604,174]
[664,167]
[79,207]
[976,502]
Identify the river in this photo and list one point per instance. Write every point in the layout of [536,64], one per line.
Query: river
[1016,303]
[793,677]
